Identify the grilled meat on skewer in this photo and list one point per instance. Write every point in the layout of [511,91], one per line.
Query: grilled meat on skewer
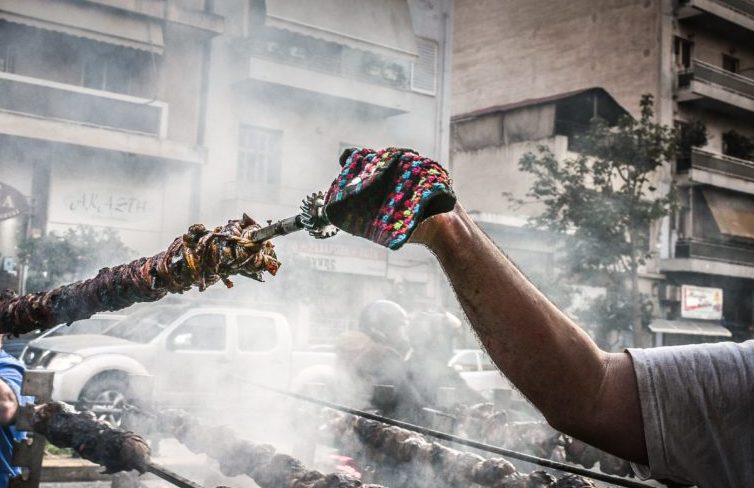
[94,440]
[268,468]
[383,445]
[483,422]
[200,258]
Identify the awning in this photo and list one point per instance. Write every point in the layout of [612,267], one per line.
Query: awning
[689,327]
[375,25]
[82,20]
[734,215]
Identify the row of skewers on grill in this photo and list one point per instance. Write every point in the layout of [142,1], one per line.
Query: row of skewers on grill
[381,451]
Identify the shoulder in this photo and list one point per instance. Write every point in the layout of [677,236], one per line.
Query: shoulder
[11,369]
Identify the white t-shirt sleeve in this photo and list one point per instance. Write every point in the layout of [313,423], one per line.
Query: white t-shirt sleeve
[697,404]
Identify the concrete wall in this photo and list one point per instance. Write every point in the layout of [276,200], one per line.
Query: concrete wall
[314,122]
[482,177]
[511,50]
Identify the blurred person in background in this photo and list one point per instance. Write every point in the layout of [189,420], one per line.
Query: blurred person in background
[12,375]
[371,363]
[432,336]
[682,413]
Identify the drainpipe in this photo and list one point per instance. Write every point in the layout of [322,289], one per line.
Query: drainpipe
[201,132]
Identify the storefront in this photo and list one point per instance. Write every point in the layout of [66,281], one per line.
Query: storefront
[14,219]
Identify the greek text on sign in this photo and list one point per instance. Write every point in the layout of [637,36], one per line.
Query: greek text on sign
[101,204]
[698,302]
[107,205]
[12,202]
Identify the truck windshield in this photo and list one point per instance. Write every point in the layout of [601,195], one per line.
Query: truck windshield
[145,325]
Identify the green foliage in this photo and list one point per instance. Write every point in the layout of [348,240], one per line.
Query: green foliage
[55,259]
[604,201]
[691,135]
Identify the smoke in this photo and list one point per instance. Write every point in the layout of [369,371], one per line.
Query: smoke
[130,146]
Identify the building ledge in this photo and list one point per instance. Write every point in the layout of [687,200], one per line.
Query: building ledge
[389,100]
[18,125]
[197,19]
[717,170]
[705,266]
[738,12]
[718,98]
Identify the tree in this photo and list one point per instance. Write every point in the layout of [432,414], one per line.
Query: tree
[604,202]
[54,259]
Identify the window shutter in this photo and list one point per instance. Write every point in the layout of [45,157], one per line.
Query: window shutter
[424,71]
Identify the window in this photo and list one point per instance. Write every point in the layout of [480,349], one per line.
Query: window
[7,59]
[730,63]
[259,155]
[682,52]
[424,69]
[204,332]
[256,334]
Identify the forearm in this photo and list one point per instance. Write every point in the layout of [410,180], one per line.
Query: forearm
[580,389]
[548,357]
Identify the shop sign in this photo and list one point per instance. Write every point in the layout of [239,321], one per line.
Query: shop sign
[703,303]
[12,202]
[135,207]
[341,258]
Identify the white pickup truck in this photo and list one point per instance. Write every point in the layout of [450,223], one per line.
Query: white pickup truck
[194,354]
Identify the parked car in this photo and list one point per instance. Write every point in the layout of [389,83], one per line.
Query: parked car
[195,355]
[479,372]
[93,325]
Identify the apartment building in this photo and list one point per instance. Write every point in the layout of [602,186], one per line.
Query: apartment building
[101,110]
[294,83]
[697,58]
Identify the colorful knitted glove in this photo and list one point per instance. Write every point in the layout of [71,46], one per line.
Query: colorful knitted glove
[383,195]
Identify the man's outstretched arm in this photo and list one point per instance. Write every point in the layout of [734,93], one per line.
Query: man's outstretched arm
[581,390]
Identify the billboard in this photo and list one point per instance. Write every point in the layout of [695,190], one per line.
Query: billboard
[12,202]
[698,302]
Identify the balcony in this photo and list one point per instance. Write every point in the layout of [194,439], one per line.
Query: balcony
[710,257]
[58,113]
[59,101]
[715,234]
[732,18]
[715,89]
[715,251]
[324,68]
[712,169]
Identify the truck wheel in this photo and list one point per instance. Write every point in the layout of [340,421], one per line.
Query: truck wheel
[106,397]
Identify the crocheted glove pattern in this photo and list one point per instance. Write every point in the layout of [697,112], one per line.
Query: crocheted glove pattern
[383,195]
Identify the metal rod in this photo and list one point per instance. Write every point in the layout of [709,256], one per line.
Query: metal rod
[279,228]
[547,463]
[171,476]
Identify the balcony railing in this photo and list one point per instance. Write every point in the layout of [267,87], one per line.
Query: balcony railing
[707,73]
[717,163]
[715,251]
[742,6]
[60,101]
[330,58]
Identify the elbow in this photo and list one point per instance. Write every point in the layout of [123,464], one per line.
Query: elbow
[569,423]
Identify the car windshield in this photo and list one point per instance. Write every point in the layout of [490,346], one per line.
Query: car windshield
[465,358]
[145,325]
[87,326]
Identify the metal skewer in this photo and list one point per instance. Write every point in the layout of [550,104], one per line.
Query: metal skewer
[170,476]
[312,219]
